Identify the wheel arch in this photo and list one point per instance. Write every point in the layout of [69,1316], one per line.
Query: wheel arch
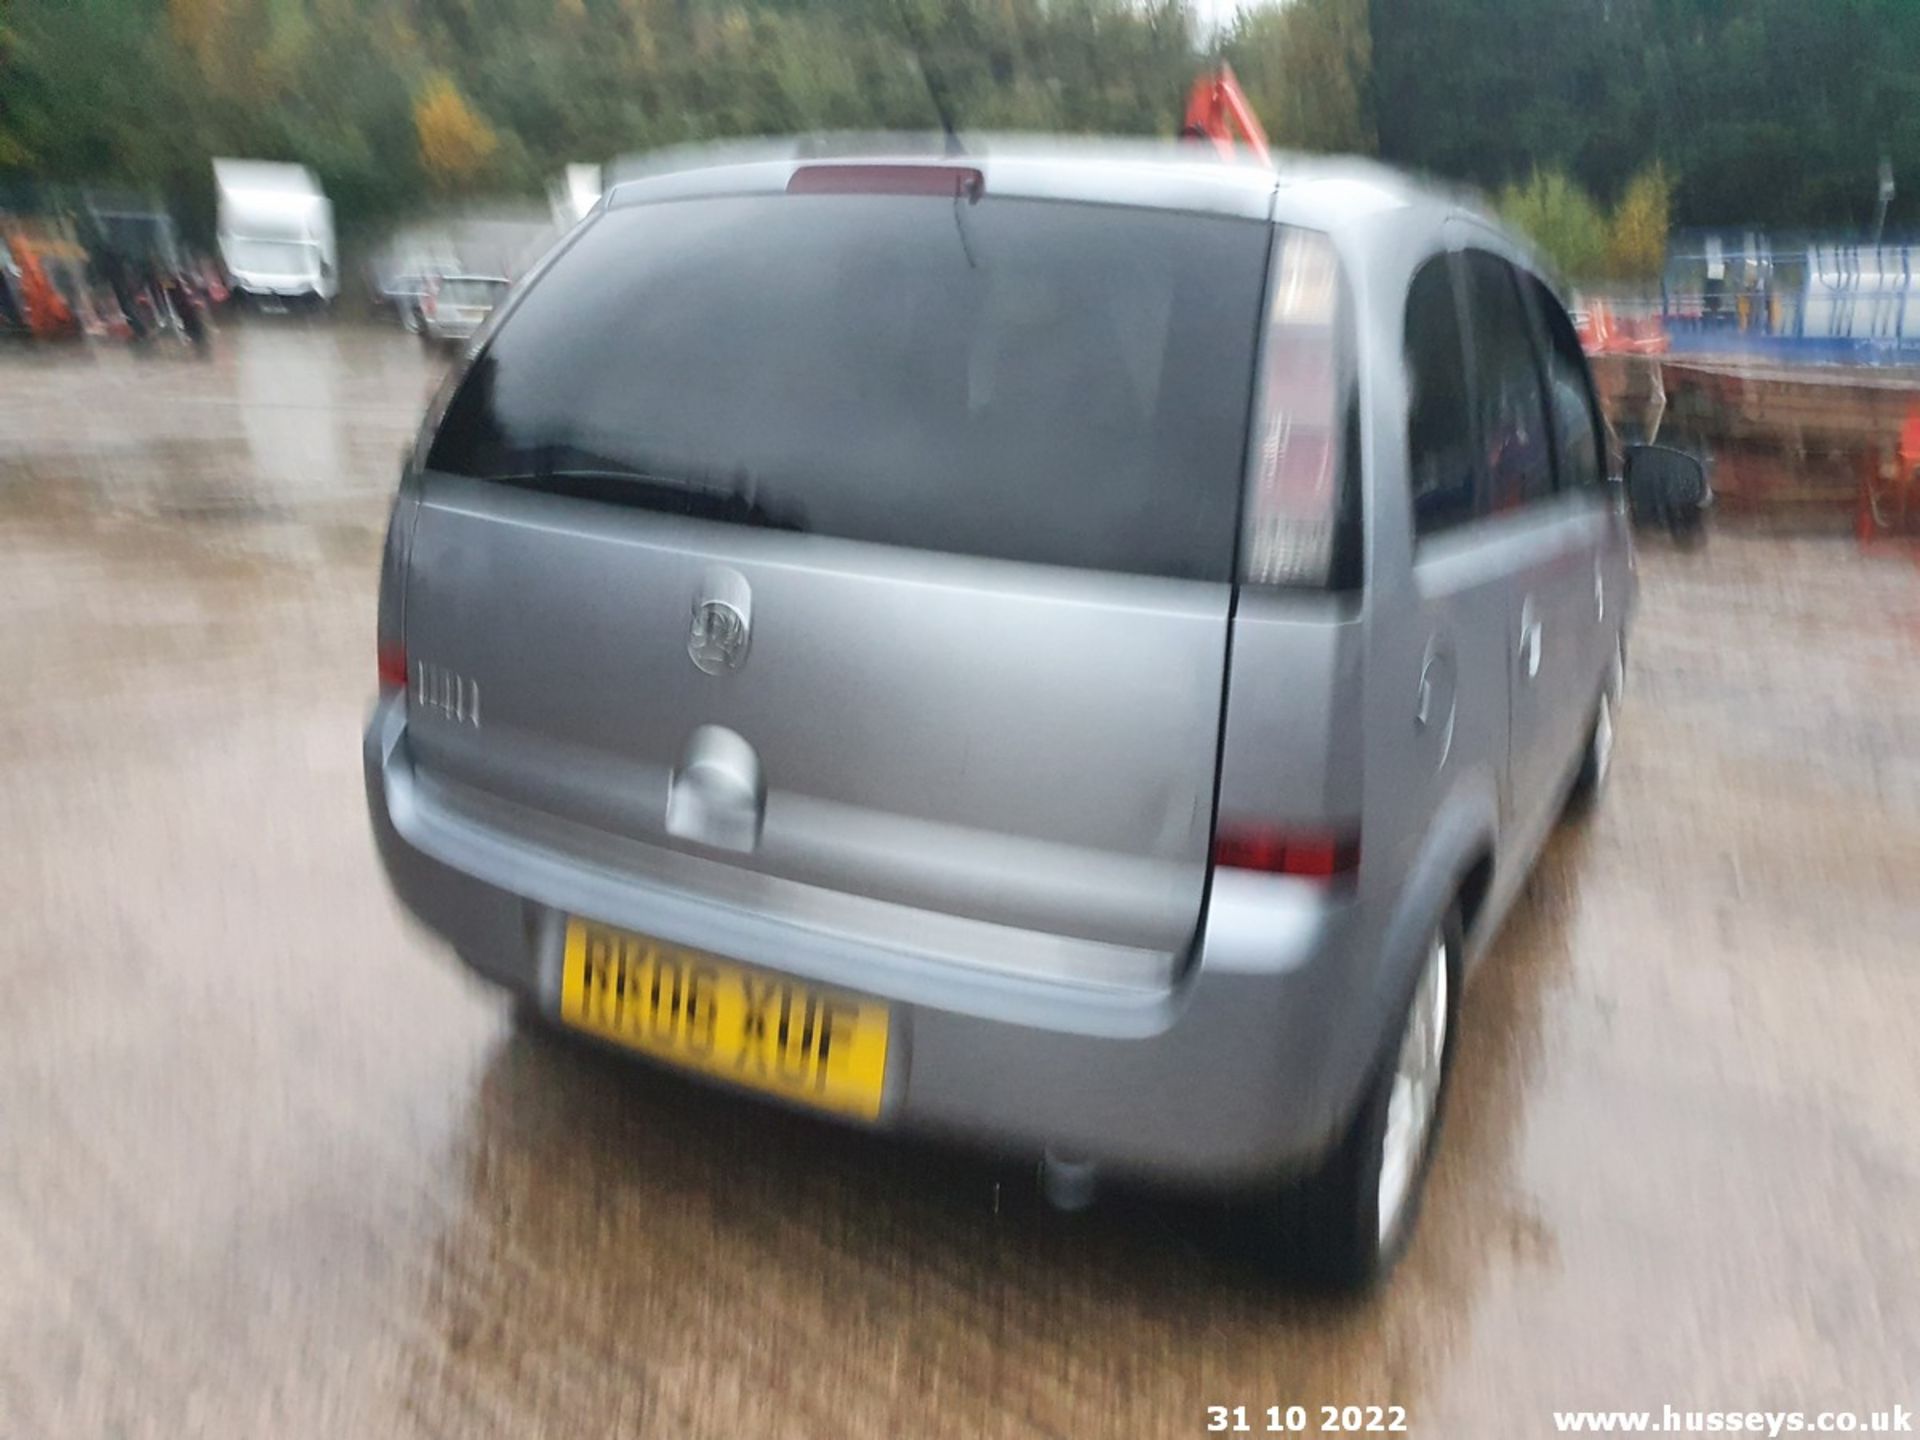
[1453,861]
[1452,866]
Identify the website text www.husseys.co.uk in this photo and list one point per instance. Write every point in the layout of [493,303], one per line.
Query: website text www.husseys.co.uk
[1670,1421]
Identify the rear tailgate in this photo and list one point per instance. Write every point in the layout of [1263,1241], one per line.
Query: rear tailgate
[1002,742]
[871,545]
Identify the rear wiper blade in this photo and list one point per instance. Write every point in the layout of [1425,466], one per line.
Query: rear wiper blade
[576,479]
[652,490]
[574,474]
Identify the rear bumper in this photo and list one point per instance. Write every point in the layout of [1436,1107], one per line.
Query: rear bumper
[281,287]
[1221,1078]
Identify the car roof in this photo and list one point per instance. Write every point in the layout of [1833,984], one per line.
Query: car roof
[1166,174]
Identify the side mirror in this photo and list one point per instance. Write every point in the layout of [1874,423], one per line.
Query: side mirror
[1668,487]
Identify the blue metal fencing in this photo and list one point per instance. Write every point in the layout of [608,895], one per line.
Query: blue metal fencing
[1803,302]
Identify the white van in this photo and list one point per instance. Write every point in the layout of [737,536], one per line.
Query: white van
[275,230]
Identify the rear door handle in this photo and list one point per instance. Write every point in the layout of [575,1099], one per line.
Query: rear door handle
[1435,701]
[1529,656]
[1435,673]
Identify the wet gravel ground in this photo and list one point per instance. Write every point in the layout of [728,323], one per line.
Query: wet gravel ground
[271,1165]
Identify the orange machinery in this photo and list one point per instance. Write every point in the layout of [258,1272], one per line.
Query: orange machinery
[1216,108]
[47,314]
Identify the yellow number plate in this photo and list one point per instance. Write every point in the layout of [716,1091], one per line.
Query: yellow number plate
[818,1047]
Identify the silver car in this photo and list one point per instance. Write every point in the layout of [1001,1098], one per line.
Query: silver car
[451,308]
[1071,652]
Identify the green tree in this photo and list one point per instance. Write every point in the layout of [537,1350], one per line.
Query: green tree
[87,89]
[1771,112]
[1637,230]
[455,142]
[1561,219]
[1306,68]
[13,151]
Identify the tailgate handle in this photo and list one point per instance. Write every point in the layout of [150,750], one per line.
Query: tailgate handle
[717,795]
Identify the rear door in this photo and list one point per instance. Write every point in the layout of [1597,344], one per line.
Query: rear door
[1547,542]
[1454,664]
[1580,475]
[854,544]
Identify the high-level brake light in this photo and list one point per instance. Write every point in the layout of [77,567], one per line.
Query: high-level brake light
[949,181]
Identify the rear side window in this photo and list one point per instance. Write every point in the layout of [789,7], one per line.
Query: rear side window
[1513,422]
[1442,469]
[1025,380]
[1578,442]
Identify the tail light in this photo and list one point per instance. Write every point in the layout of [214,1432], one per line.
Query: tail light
[1275,851]
[1296,501]
[391,662]
[390,642]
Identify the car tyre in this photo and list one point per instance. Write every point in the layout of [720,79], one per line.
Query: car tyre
[1341,1227]
[410,319]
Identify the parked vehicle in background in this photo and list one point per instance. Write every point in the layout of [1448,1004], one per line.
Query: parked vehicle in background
[32,300]
[452,307]
[401,292]
[572,194]
[133,225]
[842,638]
[131,242]
[397,274]
[484,245]
[275,231]
[16,314]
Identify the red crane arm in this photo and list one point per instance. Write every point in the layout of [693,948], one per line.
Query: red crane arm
[1215,106]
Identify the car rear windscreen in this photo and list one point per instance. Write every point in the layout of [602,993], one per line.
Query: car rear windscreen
[1028,380]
